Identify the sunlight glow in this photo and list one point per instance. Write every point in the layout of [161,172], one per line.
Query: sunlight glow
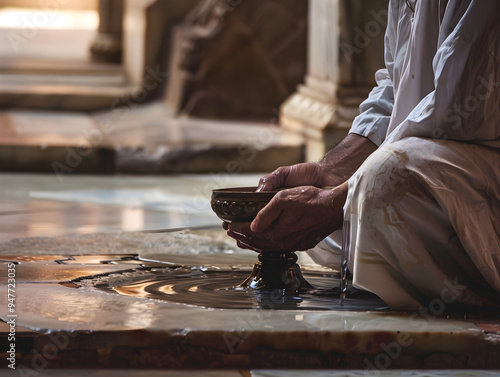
[19,18]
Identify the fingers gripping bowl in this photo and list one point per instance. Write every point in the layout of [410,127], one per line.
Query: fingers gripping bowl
[239,204]
[273,270]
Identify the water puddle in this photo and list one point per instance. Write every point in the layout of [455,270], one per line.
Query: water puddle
[218,288]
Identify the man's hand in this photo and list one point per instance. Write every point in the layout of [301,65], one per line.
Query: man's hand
[300,217]
[337,167]
[305,174]
[295,219]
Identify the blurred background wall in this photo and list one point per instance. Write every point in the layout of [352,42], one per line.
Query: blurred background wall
[300,65]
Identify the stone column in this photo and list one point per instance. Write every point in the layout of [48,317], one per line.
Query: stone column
[236,59]
[107,46]
[345,48]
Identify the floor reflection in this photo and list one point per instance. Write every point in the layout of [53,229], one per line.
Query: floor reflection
[42,206]
[218,288]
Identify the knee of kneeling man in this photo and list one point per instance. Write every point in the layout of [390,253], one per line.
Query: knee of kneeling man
[384,178]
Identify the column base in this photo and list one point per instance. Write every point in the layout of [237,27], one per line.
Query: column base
[106,48]
[322,114]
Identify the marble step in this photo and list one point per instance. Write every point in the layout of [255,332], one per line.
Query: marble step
[133,138]
[81,87]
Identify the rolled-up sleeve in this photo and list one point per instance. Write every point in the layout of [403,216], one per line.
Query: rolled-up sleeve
[376,110]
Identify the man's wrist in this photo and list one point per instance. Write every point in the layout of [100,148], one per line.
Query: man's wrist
[344,159]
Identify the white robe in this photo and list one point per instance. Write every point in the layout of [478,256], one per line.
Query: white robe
[424,209]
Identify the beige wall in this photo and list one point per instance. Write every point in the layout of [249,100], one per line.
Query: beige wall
[65,4]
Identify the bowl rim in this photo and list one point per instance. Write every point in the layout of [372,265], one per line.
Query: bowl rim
[243,190]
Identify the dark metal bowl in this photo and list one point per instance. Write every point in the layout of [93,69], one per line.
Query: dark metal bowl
[239,204]
[274,271]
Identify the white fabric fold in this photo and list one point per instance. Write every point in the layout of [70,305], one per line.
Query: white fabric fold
[427,202]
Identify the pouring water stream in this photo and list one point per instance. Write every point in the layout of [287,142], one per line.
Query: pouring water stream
[344,259]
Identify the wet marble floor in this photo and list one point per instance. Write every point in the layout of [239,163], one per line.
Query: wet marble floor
[42,205]
[61,233]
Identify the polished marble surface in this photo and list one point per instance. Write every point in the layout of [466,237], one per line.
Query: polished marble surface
[34,205]
[56,307]
[47,307]
[92,321]
[146,139]
[90,215]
